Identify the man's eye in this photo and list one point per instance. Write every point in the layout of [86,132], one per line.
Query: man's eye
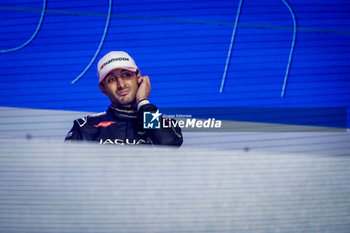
[126,75]
[111,79]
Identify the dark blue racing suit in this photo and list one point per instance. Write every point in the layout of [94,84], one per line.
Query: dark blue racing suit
[123,126]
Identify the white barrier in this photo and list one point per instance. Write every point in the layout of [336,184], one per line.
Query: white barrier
[52,187]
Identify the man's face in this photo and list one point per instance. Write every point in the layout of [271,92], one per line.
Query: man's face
[120,86]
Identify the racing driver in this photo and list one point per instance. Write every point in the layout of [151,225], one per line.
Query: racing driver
[122,123]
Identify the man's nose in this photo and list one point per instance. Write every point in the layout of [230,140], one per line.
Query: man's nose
[120,83]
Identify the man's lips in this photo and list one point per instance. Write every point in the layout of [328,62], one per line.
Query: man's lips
[123,92]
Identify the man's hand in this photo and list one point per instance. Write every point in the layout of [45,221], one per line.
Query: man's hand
[144,88]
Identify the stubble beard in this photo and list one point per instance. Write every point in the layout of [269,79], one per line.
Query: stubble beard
[125,101]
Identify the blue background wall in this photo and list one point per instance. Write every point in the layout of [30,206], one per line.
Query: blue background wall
[182,46]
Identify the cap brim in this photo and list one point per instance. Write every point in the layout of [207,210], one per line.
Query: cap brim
[116,68]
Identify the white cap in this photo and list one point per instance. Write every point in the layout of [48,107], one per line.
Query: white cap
[112,61]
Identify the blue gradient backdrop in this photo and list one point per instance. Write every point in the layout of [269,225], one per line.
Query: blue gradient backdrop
[182,46]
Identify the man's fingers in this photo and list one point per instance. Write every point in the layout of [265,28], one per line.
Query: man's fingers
[141,79]
[148,82]
[144,89]
[147,79]
[144,79]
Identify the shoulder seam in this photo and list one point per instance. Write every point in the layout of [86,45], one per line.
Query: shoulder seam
[97,114]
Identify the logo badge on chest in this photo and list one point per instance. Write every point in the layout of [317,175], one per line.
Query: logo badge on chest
[105,124]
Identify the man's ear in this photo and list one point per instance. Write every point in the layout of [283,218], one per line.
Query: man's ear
[138,74]
[102,88]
